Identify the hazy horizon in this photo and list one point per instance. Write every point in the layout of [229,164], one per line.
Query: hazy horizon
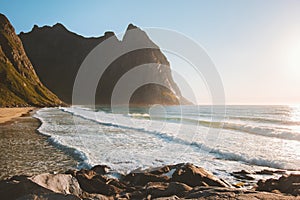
[255,45]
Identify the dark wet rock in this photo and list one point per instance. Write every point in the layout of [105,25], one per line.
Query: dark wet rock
[232,193]
[89,196]
[174,197]
[270,172]
[167,189]
[289,184]
[243,175]
[242,172]
[96,184]
[196,176]
[49,196]
[138,194]
[86,173]
[101,169]
[156,189]
[142,179]
[161,170]
[72,172]
[157,183]
[156,170]
[118,184]
[206,192]
[22,187]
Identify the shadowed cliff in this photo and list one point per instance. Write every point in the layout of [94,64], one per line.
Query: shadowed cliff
[57,55]
[19,84]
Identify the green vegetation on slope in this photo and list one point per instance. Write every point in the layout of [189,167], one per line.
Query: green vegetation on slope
[15,90]
[19,84]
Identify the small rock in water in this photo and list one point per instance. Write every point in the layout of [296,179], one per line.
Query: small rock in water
[243,175]
[101,169]
[270,172]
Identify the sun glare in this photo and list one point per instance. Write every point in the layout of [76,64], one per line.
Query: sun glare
[294,59]
[295,117]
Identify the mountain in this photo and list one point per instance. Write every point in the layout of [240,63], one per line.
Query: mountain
[19,84]
[57,55]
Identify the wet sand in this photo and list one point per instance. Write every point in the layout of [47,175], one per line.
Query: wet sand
[7,114]
[25,151]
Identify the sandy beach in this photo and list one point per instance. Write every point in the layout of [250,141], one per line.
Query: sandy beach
[24,150]
[7,114]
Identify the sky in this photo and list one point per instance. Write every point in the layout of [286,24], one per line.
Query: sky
[254,44]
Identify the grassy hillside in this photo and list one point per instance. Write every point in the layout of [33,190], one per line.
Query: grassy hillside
[19,84]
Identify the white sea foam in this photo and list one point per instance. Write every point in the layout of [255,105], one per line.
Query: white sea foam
[126,142]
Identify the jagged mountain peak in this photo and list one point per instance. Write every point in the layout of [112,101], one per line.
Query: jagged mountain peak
[131,26]
[52,52]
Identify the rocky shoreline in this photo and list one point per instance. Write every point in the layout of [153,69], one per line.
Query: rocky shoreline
[180,181]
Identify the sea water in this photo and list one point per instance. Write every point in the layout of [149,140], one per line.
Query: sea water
[243,137]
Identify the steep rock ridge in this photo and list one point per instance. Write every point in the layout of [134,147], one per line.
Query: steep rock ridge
[158,71]
[58,53]
[19,84]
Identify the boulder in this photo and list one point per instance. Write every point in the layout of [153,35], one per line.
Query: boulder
[167,189]
[141,179]
[289,184]
[196,176]
[20,186]
[96,184]
[59,183]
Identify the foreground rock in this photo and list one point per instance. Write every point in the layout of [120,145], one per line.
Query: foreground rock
[181,181]
[58,183]
[233,193]
[289,184]
[196,176]
[22,187]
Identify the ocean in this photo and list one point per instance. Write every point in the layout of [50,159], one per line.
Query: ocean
[249,138]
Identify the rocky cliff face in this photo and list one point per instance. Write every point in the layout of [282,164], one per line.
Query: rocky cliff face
[19,84]
[58,53]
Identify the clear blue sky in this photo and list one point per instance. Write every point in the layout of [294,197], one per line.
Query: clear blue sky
[255,44]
